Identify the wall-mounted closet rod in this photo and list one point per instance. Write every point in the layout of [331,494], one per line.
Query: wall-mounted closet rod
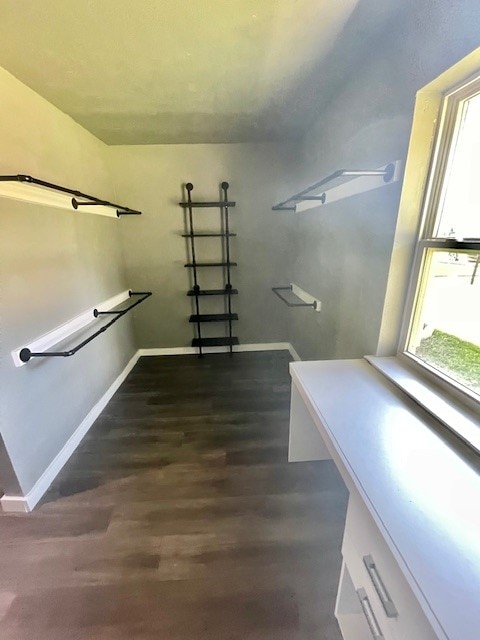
[92,200]
[307,300]
[292,304]
[26,354]
[287,302]
[290,204]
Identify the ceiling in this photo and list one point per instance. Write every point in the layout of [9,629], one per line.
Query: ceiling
[172,71]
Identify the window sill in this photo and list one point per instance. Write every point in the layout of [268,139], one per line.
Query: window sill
[459,419]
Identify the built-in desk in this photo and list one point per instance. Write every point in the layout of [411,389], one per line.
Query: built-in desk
[411,548]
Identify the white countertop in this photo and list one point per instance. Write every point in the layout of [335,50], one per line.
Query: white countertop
[422,492]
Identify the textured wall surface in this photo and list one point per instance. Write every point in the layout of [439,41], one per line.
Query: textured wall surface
[8,478]
[172,72]
[343,249]
[152,177]
[54,264]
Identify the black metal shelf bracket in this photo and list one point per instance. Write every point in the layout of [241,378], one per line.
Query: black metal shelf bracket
[276,290]
[291,203]
[25,354]
[85,199]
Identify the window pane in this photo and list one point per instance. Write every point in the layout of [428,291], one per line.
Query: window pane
[446,327]
[460,199]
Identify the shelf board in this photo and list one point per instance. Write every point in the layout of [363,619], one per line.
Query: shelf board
[211,264]
[213,292]
[206,205]
[215,342]
[213,317]
[208,235]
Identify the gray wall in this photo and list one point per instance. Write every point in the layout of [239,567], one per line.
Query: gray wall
[8,478]
[54,264]
[152,177]
[344,249]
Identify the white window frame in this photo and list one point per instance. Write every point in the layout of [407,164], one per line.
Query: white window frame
[429,389]
[448,123]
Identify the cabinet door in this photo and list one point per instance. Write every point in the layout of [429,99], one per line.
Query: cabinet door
[356,618]
[373,568]
[305,441]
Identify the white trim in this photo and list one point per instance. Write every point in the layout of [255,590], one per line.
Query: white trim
[422,140]
[178,351]
[65,330]
[306,297]
[293,353]
[14,504]
[431,397]
[27,503]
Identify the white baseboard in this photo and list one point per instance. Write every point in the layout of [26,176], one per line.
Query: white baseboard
[293,353]
[24,504]
[178,351]
[169,351]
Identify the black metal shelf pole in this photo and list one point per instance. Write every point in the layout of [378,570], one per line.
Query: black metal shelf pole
[196,288]
[228,286]
[225,263]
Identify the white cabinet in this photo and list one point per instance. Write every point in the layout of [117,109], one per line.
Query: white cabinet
[351,613]
[387,602]
[411,549]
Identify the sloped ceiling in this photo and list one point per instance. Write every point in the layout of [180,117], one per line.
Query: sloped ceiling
[173,71]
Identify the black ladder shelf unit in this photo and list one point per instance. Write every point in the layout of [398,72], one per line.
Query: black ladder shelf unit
[197,292]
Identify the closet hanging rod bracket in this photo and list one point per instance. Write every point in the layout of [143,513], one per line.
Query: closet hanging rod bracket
[190,204]
[97,313]
[104,203]
[306,299]
[131,293]
[76,203]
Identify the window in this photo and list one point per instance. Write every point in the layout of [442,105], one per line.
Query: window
[443,328]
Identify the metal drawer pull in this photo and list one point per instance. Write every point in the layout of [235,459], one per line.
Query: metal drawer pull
[369,615]
[385,599]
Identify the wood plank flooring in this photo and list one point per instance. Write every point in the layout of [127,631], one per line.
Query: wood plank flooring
[179,518]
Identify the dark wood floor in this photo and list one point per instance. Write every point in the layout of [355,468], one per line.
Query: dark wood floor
[179,518]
